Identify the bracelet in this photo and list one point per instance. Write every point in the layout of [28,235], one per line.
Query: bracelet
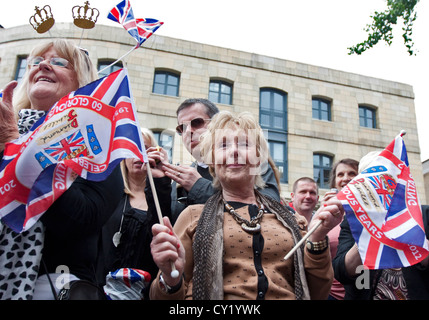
[318,246]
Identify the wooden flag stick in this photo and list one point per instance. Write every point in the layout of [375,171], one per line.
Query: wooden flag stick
[174,272]
[303,239]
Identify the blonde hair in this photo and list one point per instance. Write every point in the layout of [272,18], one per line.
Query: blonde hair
[147,134]
[78,58]
[243,122]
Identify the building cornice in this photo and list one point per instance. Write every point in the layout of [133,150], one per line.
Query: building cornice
[217,54]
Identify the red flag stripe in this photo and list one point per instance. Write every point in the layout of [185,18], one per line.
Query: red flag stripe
[104,86]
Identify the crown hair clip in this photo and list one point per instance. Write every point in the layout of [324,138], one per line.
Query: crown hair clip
[42,20]
[85,17]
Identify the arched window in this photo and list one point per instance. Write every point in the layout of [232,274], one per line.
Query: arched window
[321,109]
[367,117]
[20,68]
[220,92]
[273,119]
[322,166]
[106,68]
[165,140]
[166,82]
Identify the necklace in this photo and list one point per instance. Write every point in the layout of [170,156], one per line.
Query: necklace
[117,236]
[252,226]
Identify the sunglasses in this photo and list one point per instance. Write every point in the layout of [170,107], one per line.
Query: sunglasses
[56,61]
[196,123]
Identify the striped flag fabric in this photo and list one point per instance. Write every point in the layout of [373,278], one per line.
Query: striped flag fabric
[146,27]
[140,29]
[126,284]
[86,133]
[130,276]
[384,213]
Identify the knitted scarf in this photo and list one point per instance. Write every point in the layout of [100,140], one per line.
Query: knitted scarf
[208,249]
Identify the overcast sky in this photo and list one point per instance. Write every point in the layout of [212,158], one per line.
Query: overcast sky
[309,31]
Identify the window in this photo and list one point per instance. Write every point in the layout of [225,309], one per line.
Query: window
[272,109]
[273,118]
[321,109]
[220,92]
[165,140]
[367,117]
[20,68]
[166,83]
[106,67]
[278,154]
[322,165]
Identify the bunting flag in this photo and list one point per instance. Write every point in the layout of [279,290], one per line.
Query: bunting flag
[140,29]
[384,212]
[86,133]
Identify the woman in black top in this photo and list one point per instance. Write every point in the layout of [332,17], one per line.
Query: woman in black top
[127,235]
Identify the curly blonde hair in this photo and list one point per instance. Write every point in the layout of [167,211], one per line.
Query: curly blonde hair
[244,122]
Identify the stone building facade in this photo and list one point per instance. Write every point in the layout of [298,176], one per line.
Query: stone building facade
[310,133]
[425,165]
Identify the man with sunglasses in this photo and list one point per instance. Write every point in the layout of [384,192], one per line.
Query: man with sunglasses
[193,184]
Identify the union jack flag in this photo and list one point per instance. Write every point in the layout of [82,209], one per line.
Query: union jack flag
[384,212]
[130,276]
[146,27]
[74,143]
[126,284]
[140,29]
[385,186]
[86,133]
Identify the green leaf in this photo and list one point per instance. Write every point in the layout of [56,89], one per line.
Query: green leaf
[382,25]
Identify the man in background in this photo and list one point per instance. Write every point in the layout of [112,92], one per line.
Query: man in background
[304,195]
[193,184]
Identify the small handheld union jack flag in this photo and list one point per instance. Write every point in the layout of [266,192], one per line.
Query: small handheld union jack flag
[384,213]
[140,29]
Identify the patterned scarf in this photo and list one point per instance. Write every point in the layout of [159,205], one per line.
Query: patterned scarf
[208,249]
[20,253]
[28,117]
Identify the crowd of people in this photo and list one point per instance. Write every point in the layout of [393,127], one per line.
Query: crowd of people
[225,229]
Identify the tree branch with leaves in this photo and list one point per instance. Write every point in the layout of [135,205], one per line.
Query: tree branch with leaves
[382,25]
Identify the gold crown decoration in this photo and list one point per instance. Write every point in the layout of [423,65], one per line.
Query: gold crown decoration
[85,17]
[42,20]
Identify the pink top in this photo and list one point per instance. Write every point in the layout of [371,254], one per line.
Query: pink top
[337,289]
